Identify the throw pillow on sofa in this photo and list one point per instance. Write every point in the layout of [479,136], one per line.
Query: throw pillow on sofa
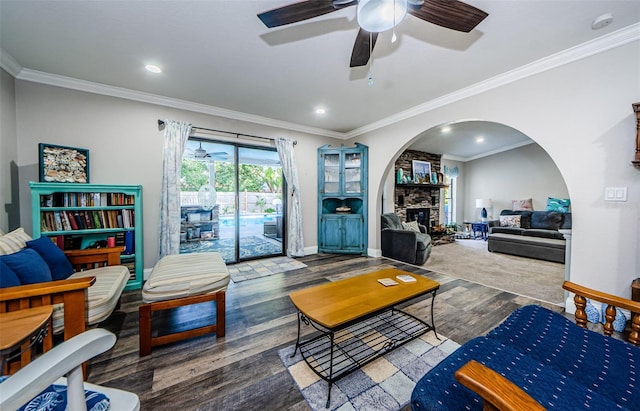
[28,265]
[14,241]
[559,205]
[510,221]
[412,226]
[8,277]
[522,205]
[58,263]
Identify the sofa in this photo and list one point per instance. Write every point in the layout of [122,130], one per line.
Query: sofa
[409,243]
[539,359]
[533,234]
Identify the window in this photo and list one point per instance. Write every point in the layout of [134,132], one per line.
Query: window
[449,202]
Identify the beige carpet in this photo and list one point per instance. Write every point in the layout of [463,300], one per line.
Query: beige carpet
[470,260]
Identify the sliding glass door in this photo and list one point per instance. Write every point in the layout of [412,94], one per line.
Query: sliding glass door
[231,200]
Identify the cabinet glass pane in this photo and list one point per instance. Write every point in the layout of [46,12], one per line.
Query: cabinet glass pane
[352,160]
[331,187]
[332,160]
[353,187]
[331,175]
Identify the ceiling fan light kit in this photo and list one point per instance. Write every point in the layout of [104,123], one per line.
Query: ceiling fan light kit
[376,16]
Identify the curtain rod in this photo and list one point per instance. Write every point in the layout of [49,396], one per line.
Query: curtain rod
[237,135]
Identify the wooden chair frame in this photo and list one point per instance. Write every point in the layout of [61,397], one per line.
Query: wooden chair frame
[70,292]
[498,393]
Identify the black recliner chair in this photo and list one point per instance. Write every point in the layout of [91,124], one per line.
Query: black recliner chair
[404,245]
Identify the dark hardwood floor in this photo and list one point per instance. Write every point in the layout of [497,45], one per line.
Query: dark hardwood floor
[242,371]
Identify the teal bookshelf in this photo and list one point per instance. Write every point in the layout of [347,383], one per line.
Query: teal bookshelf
[78,216]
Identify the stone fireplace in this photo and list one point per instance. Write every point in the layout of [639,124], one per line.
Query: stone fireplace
[416,196]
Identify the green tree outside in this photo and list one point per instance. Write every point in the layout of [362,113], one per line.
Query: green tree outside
[253,178]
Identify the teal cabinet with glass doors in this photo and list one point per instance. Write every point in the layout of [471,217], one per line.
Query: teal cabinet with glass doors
[342,199]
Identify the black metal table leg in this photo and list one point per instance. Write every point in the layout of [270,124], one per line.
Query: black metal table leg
[433,323]
[331,335]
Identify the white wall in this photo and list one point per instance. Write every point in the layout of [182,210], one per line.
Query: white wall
[8,143]
[521,173]
[581,114]
[126,147]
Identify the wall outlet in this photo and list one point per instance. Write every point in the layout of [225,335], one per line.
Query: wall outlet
[615,194]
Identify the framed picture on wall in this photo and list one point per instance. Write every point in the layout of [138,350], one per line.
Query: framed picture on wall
[59,164]
[421,171]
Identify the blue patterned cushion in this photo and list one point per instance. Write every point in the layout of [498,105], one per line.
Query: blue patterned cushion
[620,322]
[439,390]
[560,205]
[54,398]
[605,365]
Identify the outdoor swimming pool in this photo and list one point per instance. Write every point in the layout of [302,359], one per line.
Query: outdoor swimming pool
[247,219]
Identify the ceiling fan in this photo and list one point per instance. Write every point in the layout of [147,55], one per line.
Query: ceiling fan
[200,154]
[375,16]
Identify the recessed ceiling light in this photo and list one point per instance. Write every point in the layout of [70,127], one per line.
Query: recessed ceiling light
[446,129]
[153,68]
[321,110]
[602,21]
[479,139]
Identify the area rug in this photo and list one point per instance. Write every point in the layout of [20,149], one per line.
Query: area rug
[263,268]
[470,260]
[250,246]
[384,384]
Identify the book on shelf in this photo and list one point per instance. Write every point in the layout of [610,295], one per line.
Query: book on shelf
[66,225]
[87,219]
[72,220]
[387,282]
[119,238]
[129,242]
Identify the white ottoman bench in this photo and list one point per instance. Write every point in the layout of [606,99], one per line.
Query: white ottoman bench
[179,280]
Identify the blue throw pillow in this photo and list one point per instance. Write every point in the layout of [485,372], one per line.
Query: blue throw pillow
[54,398]
[559,205]
[28,265]
[58,263]
[8,278]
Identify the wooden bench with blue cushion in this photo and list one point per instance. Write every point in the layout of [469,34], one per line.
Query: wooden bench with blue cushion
[550,362]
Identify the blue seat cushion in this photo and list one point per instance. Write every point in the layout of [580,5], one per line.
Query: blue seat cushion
[8,277]
[605,365]
[54,398]
[28,265]
[439,390]
[58,263]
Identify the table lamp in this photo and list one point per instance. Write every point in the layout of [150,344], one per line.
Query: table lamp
[483,203]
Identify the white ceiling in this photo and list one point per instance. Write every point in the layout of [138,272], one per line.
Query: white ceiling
[219,55]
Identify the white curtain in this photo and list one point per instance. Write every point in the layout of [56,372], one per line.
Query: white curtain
[295,242]
[176,134]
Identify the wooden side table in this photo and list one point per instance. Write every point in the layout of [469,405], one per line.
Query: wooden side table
[21,330]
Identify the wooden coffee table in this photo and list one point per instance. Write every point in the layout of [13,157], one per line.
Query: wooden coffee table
[358,321]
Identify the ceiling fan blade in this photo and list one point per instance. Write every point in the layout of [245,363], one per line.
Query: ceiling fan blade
[361,50]
[452,14]
[300,11]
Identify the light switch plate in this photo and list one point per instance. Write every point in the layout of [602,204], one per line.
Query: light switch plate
[615,194]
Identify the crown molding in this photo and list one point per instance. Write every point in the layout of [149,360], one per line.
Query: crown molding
[112,91]
[487,153]
[601,44]
[9,64]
